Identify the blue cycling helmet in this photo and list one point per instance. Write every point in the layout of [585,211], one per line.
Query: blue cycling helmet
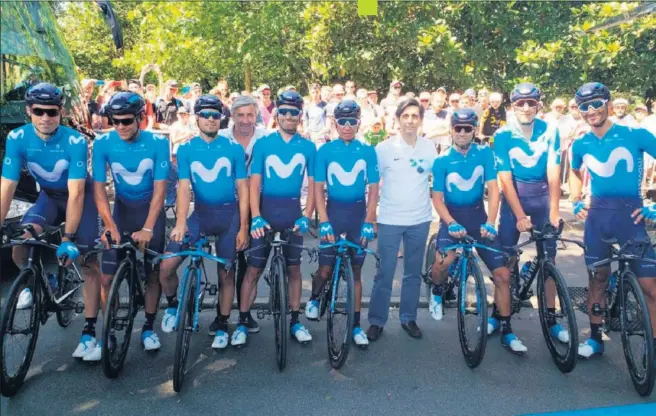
[591,91]
[525,91]
[125,103]
[291,98]
[44,93]
[208,102]
[347,109]
[465,116]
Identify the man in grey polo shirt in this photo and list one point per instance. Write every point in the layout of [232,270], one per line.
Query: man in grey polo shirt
[405,214]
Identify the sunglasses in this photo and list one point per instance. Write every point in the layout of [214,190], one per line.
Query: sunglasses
[294,112]
[347,121]
[39,112]
[522,103]
[424,101]
[595,104]
[213,115]
[463,129]
[123,121]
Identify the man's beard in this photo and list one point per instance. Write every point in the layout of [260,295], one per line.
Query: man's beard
[463,146]
[291,131]
[209,134]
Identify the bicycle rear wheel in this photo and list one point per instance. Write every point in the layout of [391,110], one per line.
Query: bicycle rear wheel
[341,315]
[635,327]
[185,328]
[429,259]
[15,361]
[472,300]
[118,321]
[563,353]
[278,301]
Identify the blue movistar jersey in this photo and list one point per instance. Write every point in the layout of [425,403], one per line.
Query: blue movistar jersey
[615,161]
[212,168]
[282,164]
[134,165]
[52,162]
[348,168]
[462,177]
[528,160]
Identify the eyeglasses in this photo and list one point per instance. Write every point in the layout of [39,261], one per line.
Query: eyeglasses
[522,103]
[39,112]
[454,101]
[348,121]
[123,121]
[595,104]
[463,129]
[213,115]
[294,112]
[424,101]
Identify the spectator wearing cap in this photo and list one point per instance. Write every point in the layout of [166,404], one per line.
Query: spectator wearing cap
[349,86]
[640,113]
[483,99]
[468,98]
[266,104]
[441,92]
[196,91]
[620,115]
[166,108]
[493,118]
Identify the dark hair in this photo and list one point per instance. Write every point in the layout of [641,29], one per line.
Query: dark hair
[315,86]
[410,102]
[134,81]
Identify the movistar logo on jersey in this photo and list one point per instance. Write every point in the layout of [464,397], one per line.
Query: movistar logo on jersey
[50,176]
[525,159]
[463,184]
[16,134]
[76,140]
[210,175]
[607,169]
[130,177]
[283,170]
[345,178]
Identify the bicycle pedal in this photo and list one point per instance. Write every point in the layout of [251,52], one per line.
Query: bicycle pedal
[213,289]
[79,308]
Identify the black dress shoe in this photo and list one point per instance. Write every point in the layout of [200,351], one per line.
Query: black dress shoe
[412,329]
[374,332]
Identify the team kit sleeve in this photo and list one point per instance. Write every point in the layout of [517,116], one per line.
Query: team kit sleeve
[439,174]
[647,142]
[577,157]
[553,158]
[239,161]
[13,161]
[501,152]
[99,160]
[320,165]
[79,154]
[163,160]
[311,156]
[257,163]
[373,176]
[488,164]
[183,162]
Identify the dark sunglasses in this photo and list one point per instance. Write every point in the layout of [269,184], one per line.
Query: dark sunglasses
[594,104]
[522,103]
[347,121]
[123,121]
[210,115]
[424,101]
[289,111]
[463,129]
[39,112]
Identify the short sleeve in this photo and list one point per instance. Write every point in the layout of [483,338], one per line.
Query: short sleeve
[240,161]
[311,156]
[320,167]
[554,149]
[501,152]
[184,170]
[647,142]
[488,164]
[79,154]
[163,160]
[257,164]
[380,155]
[577,157]
[439,174]
[13,161]
[99,159]
[373,176]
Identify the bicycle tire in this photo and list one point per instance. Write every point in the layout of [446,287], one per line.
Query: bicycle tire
[278,299]
[565,362]
[645,384]
[338,349]
[66,313]
[473,357]
[185,328]
[429,260]
[113,354]
[10,385]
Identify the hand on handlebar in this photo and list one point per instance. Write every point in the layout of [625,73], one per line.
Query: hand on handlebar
[114,235]
[524,224]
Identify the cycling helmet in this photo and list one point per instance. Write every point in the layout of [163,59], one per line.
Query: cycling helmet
[125,103]
[591,91]
[290,98]
[347,109]
[524,92]
[465,116]
[208,102]
[44,93]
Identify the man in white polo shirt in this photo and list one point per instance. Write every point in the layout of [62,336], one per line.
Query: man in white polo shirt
[405,214]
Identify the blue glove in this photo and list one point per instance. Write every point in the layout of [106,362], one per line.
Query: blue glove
[455,228]
[649,212]
[259,222]
[367,231]
[303,224]
[577,206]
[490,230]
[325,229]
[69,250]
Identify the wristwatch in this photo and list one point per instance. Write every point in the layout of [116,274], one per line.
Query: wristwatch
[70,236]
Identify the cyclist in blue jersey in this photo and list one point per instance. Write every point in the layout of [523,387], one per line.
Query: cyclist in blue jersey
[139,162]
[56,156]
[527,152]
[349,167]
[214,167]
[460,176]
[614,157]
[278,165]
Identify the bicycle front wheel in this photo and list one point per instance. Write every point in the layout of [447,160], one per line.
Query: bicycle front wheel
[341,315]
[429,260]
[69,281]
[185,328]
[278,304]
[637,336]
[472,314]
[559,328]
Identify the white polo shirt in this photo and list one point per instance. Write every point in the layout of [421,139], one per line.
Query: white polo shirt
[259,133]
[405,170]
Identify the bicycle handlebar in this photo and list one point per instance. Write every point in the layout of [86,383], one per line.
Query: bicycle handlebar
[343,242]
[128,244]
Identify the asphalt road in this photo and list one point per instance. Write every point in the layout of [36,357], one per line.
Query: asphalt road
[395,375]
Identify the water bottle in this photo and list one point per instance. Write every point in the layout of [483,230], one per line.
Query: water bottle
[527,270]
[52,281]
[612,283]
